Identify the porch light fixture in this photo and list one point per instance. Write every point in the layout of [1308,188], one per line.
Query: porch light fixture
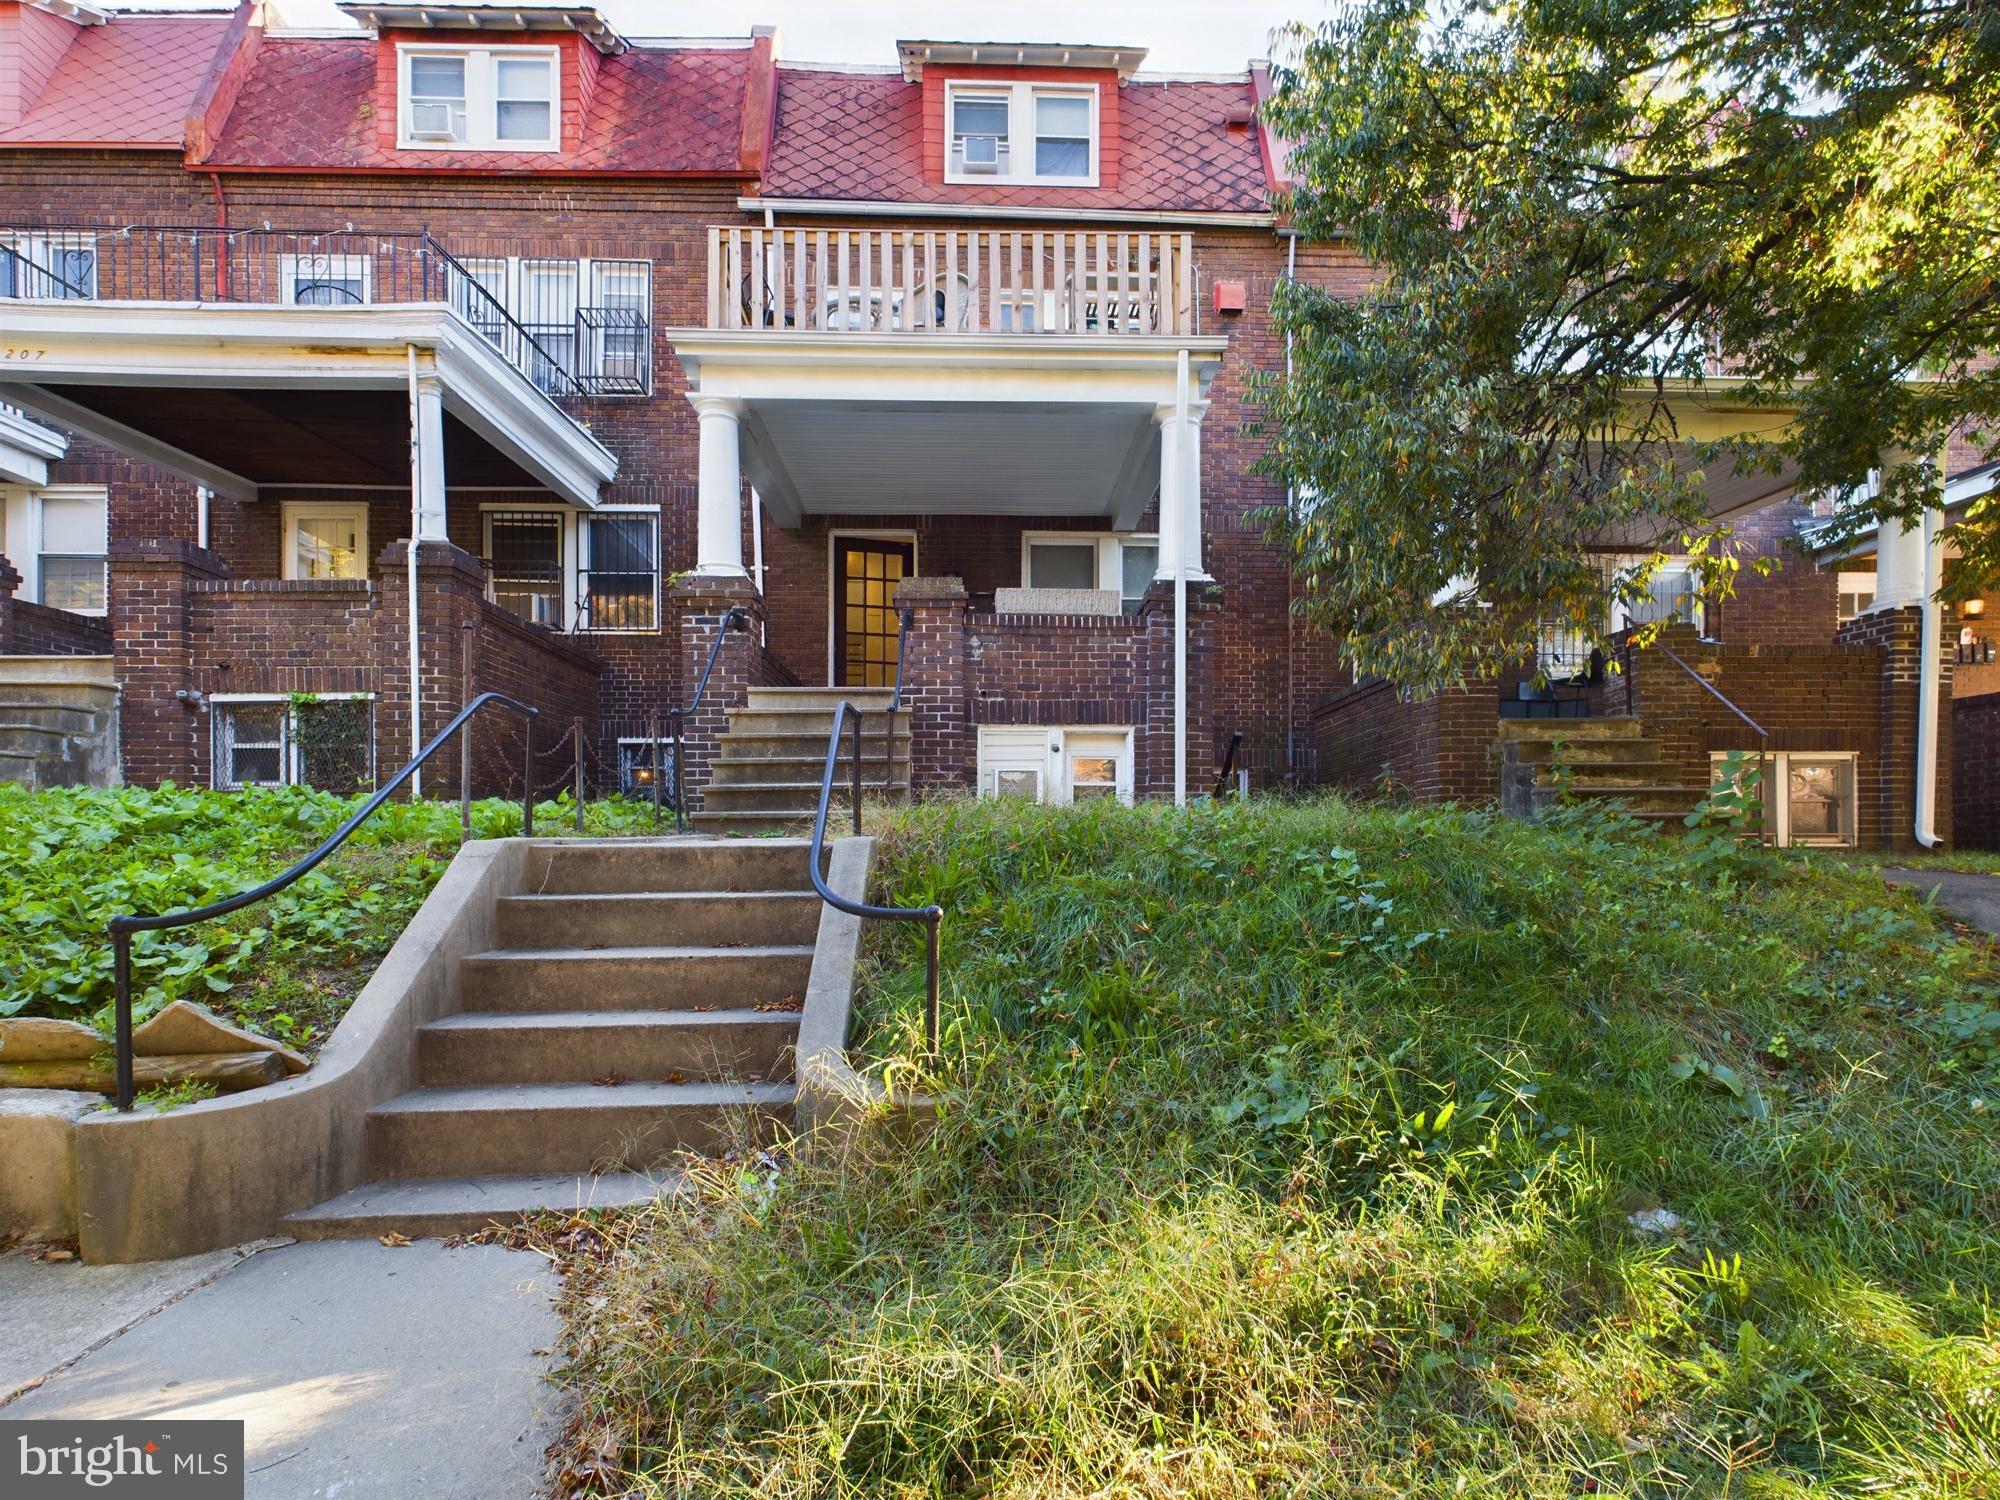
[1971,609]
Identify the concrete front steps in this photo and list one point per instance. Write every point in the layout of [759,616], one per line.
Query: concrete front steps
[1611,759]
[58,721]
[767,767]
[641,1000]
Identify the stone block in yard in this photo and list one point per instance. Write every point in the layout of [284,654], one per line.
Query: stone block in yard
[25,1039]
[38,1144]
[185,1028]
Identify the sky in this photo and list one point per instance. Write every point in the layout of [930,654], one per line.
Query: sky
[1181,36]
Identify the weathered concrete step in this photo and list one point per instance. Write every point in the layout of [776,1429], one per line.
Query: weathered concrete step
[793,796]
[629,866]
[584,1046]
[1617,773]
[819,699]
[730,769]
[628,919]
[731,824]
[809,721]
[429,1207]
[563,1127]
[34,739]
[651,978]
[53,718]
[1622,750]
[1573,731]
[69,697]
[1666,801]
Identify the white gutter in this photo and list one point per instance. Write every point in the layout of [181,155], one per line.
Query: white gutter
[1180,577]
[416,536]
[872,208]
[1928,687]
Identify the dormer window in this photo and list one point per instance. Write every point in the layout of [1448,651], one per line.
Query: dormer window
[1020,133]
[477,99]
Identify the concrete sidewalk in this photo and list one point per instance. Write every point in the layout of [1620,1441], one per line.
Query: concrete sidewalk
[1973,899]
[358,1370]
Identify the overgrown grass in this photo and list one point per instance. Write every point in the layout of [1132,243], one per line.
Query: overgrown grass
[71,859]
[1294,1150]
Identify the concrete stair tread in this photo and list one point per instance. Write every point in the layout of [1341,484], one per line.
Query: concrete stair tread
[579,1098]
[612,1020]
[641,953]
[423,1206]
[661,898]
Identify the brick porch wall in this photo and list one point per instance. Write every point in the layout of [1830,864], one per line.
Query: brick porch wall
[30,629]
[1438,747]
[1975,772]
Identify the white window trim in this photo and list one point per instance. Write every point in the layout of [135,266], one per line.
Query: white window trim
[295,511]
[1048,750]
[287,743]
[21,517]
[1110,552]
[572,548]
[1019,145]
[482,107]
[1778,800]
[338,266]
[833,540]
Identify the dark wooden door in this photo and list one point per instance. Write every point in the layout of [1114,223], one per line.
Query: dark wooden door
[866,571]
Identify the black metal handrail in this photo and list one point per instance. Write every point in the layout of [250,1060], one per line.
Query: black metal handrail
[336,267]
[931,916]
[736,618]
[1222,777]
[121,928]
[1716,693]
[903,623]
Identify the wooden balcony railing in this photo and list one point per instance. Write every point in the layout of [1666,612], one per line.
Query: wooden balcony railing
[920,281]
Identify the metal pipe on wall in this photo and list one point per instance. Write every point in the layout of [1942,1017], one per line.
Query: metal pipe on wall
[416,534]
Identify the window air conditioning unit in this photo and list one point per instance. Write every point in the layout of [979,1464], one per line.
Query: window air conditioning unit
[431,122]
[981,153]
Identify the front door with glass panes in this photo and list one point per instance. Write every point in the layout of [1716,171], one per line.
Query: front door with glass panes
[866,571]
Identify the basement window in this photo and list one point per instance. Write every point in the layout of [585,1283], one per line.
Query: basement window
[265,740]
[1058,766]
[1809,797]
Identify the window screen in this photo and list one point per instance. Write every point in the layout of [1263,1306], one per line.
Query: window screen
[525,553]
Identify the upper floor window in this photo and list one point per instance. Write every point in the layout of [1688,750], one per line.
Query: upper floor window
[1022,133]
[481,99]
[587,321]
[55,265]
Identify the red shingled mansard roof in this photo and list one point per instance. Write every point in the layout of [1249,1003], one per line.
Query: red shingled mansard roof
[859,137]
[126,83]
[309,105]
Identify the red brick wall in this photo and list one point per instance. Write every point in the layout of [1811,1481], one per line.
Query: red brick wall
[1796,605]
[1975,772]
[1439,747]
[30,629]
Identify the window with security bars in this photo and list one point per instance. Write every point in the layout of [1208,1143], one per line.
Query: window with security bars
[616,327]
[328,743]
[637,769]
[620,576]
[568,325]
[524,553]
[52,267]
[546,309]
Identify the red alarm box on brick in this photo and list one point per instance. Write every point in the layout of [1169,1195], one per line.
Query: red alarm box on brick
[1231,297]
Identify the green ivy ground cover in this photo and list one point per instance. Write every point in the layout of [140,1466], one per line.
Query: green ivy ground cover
[72,858]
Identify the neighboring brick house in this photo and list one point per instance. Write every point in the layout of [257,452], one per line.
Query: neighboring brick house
[628,334]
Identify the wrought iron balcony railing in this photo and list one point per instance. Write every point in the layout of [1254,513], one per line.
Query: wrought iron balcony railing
[924,281]
[575,326]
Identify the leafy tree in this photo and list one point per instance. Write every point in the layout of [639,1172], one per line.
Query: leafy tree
[1574,206]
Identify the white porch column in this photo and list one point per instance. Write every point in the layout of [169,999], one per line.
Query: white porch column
[427,505]
[1180,489]
[1900,561]
[719,523]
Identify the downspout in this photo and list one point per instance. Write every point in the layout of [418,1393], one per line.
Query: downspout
[1291,623]
[757,500]
[201,503]
[1929,689]
[416,534]
[1180,577]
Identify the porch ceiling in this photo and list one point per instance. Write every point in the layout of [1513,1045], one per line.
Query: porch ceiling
[240,396]
[829,458]
[957,424]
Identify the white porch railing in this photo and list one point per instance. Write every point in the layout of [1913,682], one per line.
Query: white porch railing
[920,281]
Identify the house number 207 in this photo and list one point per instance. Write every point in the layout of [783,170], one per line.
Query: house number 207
[23,354]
